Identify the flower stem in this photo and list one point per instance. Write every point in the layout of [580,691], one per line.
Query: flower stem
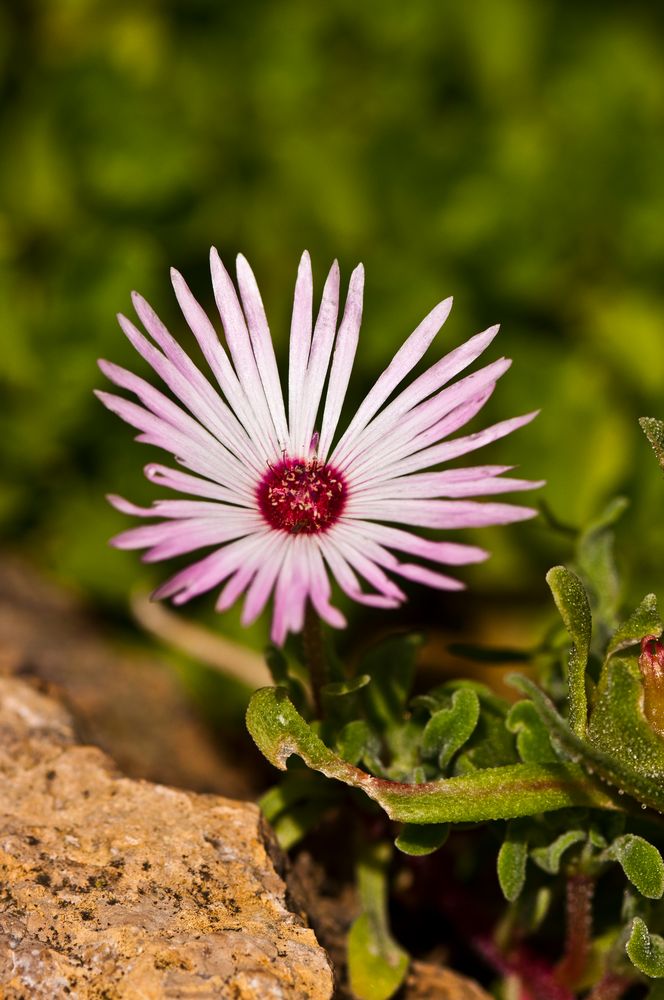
[314,654]
[580,890]
[611,987]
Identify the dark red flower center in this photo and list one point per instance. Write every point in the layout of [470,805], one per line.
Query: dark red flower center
[301,496]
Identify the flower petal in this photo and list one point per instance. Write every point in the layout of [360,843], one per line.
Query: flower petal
[450,553]
[433,485]
[404,360]
[420,574]
[210,571]
[261,342]
[381,441]
[300,339]
[342,362]
[185,380]
[263,583]
[319,361]
[418,458]
[347,579]
[174,479]
[441,513]
[199,453]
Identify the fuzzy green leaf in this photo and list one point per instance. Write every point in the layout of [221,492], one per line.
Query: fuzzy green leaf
[421,840]
[549,858]
[617,724]
[375,973]
[448,729]
[596,564]
[611,769]
[492,793]
[290,827]
[641,862]
[532,738]
[512,858]
[355,740]
[391,666]
[340,689]
[376,964]
[298,786]
[654,431]
[572,603]
[644,621]
[646,950]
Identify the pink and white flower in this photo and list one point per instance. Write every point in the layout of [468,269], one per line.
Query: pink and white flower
[282,506]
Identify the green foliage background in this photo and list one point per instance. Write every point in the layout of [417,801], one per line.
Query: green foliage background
[510,153]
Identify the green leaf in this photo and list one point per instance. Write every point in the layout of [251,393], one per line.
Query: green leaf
[641,862]
[391,666]
[654,431]
[342,704]
[340,689]
[277,665]
[376,964]
[490,654]
[284,675]
[448,729]
[374,974]
[645,950]
[612,513]
[537,908]
[493,793]
[596,564]
[532,738]
[357,740]
[490,744]
[572,603]
[549,858]
[512,858]
[611,769]
[617,724]
[297,786]
[644,621]
[421,840]
[290,827]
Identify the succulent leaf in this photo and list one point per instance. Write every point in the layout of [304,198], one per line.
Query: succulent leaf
[572,603]
[646,950]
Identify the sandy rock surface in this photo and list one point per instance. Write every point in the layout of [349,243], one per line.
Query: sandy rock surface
[117,889]
[128,702]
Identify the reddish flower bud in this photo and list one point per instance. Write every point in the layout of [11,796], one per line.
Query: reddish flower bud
[651,663]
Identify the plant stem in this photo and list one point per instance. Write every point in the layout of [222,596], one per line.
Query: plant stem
[314,654]
[578,930]
[611,987]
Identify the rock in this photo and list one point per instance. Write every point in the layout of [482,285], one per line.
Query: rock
[433,982]
[117,889]
[46,632]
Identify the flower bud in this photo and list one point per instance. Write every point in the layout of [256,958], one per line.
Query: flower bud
[651,663]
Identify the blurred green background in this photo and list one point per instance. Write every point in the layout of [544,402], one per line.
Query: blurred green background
[510,153]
